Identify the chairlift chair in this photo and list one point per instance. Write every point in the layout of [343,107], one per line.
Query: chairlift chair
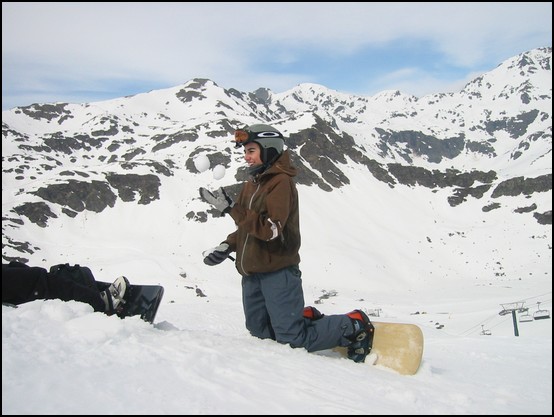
[525,317]
[541,314]
[485,332]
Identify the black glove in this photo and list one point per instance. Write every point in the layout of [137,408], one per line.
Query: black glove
[217,255]
[219,199]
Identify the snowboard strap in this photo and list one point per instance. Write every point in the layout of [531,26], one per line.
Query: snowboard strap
[371,333]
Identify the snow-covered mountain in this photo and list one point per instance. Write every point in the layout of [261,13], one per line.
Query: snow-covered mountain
[479,158]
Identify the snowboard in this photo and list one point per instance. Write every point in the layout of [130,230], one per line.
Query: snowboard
[140,300]
[398,346]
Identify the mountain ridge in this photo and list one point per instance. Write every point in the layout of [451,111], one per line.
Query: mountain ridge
[488,142]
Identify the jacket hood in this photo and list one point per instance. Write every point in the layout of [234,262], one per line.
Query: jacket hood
[281,165]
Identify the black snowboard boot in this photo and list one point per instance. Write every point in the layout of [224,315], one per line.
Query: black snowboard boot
[113,295]
[362,336]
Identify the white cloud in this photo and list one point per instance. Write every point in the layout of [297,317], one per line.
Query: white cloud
[165,44]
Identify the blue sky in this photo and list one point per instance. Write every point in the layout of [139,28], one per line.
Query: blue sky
[87,52]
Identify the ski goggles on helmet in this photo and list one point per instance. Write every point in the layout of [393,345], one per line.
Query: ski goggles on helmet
[244,136]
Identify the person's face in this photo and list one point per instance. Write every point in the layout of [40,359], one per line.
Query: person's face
[252,154]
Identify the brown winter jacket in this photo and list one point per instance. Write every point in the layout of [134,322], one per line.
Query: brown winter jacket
[266,214]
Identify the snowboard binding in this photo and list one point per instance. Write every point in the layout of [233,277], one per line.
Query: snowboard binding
[362,337]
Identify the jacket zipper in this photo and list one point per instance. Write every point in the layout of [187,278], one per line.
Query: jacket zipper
[248,234]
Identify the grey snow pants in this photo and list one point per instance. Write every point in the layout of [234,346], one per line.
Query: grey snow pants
[273,304]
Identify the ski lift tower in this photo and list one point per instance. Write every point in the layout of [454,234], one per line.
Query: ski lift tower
[513,308]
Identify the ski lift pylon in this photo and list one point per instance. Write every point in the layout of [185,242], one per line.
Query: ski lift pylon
[508,308]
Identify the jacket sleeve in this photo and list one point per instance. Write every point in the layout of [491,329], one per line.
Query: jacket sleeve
[232,241]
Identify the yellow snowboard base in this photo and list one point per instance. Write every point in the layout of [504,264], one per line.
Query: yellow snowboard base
[399,346]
